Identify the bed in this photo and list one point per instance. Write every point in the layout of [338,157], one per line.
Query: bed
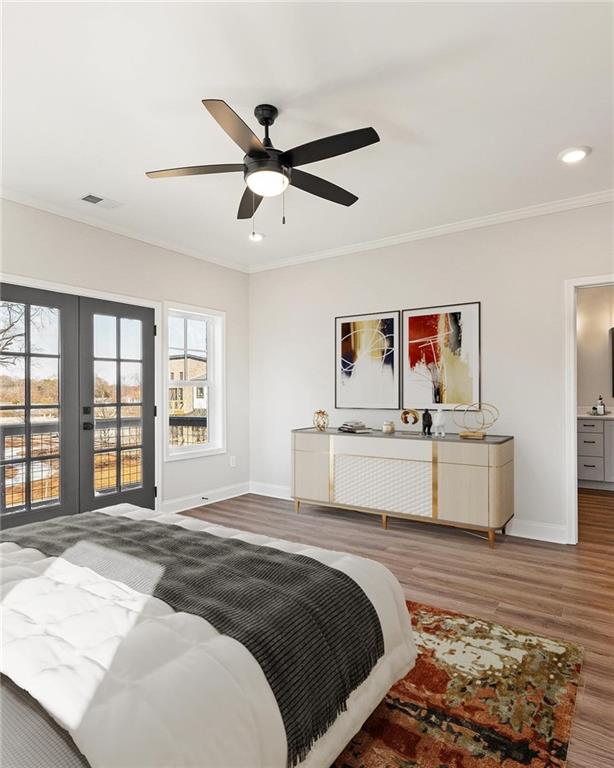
[100,670]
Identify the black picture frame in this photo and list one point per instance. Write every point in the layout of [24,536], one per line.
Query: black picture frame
[440,307]
[396,407]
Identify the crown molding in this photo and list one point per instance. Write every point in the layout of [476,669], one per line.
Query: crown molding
[33,202]
[528,212]
[517,214]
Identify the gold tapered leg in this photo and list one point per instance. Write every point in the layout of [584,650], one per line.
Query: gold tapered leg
[491,538]
[297,505]
[384,521]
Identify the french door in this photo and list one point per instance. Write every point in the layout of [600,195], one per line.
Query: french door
[38,397]
[116,371]
[76,404]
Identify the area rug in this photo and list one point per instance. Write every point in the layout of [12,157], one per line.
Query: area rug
[481,695]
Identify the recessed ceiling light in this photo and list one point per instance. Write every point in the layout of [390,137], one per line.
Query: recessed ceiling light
[574,154]
[256,237]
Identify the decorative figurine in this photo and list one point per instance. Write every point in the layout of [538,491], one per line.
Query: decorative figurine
[320,420]
[427,422]
[475,419]
[439,422]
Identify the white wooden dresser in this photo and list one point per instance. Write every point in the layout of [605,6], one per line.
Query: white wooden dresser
[447,480]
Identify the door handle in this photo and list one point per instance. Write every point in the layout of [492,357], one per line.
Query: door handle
[87,425]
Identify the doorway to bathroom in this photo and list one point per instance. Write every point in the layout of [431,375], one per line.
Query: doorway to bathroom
[590,371]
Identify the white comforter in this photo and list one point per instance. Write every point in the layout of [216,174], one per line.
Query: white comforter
[137,684]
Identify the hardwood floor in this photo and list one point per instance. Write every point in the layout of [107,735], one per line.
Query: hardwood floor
[552,589]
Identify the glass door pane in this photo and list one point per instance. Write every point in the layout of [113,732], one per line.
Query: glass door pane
[38,390]
[117,390]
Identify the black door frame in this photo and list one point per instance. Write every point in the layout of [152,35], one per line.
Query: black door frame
[143,496]
[11,286]
[69,399]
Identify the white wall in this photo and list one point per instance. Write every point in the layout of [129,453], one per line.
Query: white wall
[595,315]
[280,352]
[41,245]
[516,270]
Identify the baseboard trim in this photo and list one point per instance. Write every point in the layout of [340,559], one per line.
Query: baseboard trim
[181,503]
[266,489]
[526,529]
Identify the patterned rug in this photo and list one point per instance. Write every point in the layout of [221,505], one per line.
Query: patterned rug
[481,695]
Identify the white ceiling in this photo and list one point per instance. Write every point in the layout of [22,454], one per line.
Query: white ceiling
[472,103]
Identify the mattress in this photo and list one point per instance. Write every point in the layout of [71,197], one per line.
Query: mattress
[138,684]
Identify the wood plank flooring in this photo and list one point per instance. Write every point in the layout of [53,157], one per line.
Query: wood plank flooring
[551,589]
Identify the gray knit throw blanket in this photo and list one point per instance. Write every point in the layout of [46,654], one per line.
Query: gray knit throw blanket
[311,628]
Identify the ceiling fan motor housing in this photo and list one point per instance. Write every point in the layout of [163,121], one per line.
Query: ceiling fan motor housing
[266,115]
[269,163]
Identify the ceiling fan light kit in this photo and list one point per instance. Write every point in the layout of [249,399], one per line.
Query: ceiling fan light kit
[269,171]
[267,182]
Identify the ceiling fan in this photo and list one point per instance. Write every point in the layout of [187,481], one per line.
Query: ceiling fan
[268,171]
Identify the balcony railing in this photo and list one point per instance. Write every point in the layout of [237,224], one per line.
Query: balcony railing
[188,430]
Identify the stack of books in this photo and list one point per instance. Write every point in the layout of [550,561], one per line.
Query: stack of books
[356,427]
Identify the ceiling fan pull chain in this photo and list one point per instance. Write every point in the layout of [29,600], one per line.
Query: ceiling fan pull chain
[283,207]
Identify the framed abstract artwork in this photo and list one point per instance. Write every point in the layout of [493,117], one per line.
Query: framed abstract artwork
[441,356]
[367,362]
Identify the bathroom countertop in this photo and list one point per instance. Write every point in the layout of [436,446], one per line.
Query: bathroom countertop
[584,413]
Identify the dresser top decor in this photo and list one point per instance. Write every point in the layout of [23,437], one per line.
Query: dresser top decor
[403,435]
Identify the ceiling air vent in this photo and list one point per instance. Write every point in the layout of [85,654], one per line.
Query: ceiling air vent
[101,202]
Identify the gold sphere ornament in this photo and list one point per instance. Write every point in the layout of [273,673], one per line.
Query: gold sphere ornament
[473,420]
[320,420]
[409,414]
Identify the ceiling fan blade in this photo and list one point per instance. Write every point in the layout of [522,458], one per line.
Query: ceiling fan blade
[196,170]
[238,131]
[322,188]
[331,146]
[249,204]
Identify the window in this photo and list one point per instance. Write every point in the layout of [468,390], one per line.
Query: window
[195,399]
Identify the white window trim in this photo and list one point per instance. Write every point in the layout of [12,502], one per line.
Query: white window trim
[216,354]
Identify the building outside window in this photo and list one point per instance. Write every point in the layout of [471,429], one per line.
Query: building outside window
[195,403]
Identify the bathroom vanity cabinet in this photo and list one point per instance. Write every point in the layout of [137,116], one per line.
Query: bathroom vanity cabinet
[596,449]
